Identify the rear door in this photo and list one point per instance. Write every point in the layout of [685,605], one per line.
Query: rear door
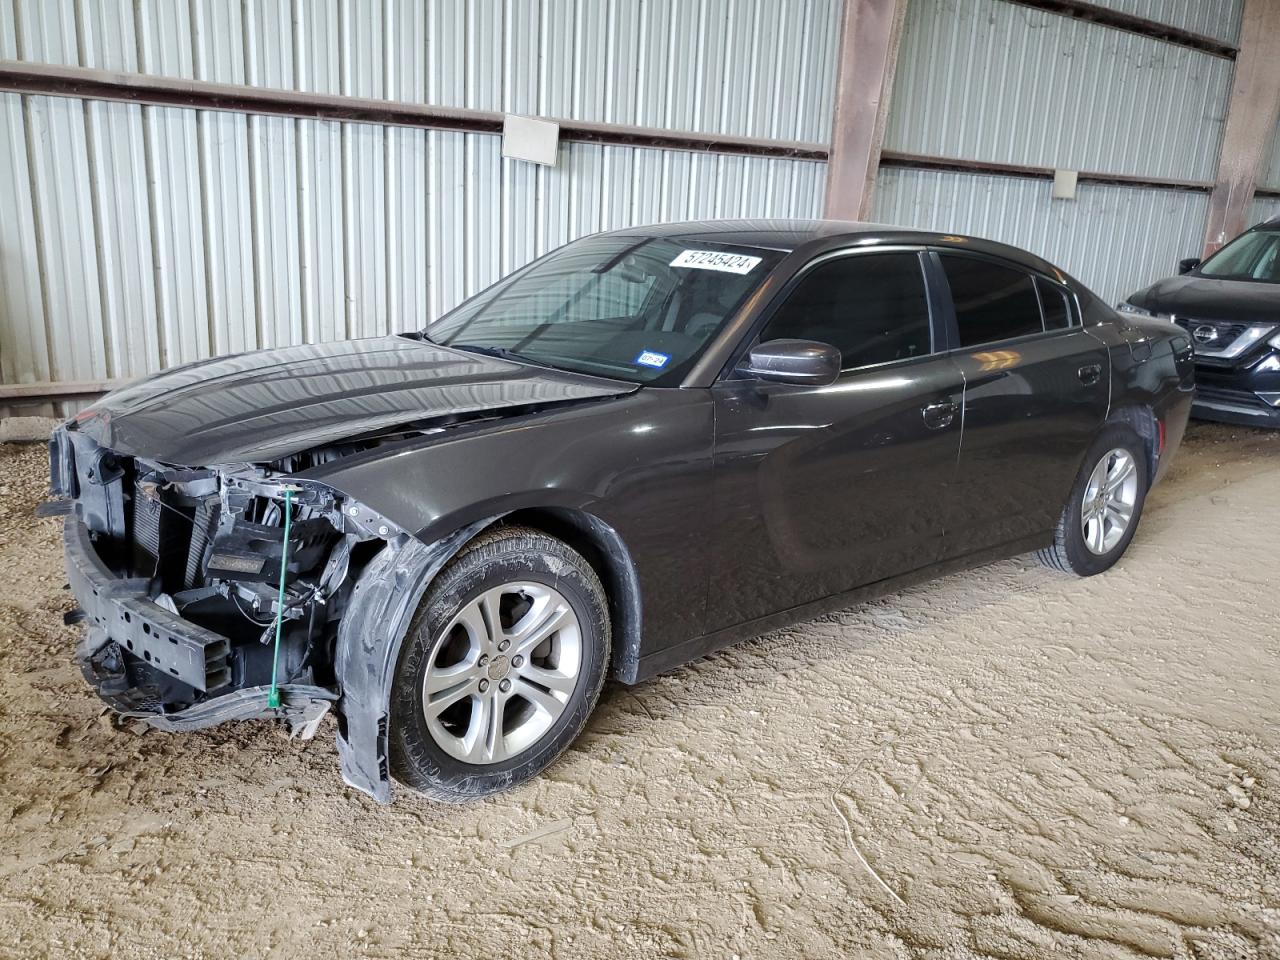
[1036,393]
[822,489]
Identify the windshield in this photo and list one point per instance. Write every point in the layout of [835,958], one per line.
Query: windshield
[1250,256]
[634,308]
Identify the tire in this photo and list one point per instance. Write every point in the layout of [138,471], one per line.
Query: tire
[529,579]
[1073,552]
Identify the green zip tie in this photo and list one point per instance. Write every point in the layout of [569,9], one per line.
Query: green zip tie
[273,697]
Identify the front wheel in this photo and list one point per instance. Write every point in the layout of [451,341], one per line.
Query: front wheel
[502,665]
[1102,512]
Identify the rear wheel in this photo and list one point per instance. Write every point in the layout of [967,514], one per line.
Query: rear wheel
[1102,513]
[503,663]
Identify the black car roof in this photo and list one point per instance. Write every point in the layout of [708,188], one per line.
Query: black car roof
[790,235]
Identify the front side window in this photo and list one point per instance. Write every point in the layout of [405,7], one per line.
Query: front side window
[871,307]
[634,308]
[992,301]
[1251,256]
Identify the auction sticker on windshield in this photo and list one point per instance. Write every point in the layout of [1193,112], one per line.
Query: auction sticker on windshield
[715,260]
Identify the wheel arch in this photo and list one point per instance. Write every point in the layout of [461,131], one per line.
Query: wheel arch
[392,585]
[1142,420]
[604,549]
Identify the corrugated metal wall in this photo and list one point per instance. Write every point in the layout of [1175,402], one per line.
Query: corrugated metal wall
[136,237]
[263,231]
[1115,239]
[1219,19]
[661,63]
[1271,176]
[994,81]
[1264,208]
[990,80]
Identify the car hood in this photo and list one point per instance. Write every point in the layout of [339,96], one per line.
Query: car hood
[258,407]
[1204,298]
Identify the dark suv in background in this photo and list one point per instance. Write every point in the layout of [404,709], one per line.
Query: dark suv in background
[1230,304]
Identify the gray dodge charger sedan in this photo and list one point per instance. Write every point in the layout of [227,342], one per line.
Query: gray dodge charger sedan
[639,448]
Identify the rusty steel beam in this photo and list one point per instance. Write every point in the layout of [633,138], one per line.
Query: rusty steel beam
[1082,10]
[1252,115]
[45,390]
[79,82]
[893,158]
[870,35]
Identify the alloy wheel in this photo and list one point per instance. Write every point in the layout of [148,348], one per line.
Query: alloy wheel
[1109,500]
[502,672]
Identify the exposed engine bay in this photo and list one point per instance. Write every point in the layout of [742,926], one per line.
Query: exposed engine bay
[222,541]
[180,574]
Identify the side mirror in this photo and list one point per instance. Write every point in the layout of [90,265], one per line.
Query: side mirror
[793,361]
[1189,264]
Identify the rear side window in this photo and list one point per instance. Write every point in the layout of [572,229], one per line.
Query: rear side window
[993,302]
[872,307]
[1054,303]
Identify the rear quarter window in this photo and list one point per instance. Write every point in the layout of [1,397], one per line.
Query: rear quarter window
[1055,304]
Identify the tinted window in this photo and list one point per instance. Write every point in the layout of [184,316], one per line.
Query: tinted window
[872,307]
[993,302]
[639,308]
[1054,303]
[1251,256]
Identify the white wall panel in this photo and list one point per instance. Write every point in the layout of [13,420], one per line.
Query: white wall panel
[1264,208]
[138,237]
[321,189]
[122,210]
[762,68]
[66,234]
[24,345]
[1113,239]
[277,231]
[995,81]
[177,233]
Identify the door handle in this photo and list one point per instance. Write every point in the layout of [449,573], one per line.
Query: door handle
[939,415]
[1090,374]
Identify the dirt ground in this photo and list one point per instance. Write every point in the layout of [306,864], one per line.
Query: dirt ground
[1005,763]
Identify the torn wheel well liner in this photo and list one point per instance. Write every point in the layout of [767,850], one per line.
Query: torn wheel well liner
[605,550]
[387,594]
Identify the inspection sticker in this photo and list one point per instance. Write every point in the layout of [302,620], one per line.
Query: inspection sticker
[652,358]
[715,260]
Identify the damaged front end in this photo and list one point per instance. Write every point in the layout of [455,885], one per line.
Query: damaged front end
[177,572]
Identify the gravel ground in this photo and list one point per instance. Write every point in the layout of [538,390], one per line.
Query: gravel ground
[1005,763]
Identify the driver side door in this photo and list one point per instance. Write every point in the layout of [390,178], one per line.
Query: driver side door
[821,489]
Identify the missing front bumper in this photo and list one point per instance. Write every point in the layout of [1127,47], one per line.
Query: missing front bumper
[121,618]
[120,611]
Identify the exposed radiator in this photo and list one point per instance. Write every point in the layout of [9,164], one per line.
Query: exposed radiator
[203,527]
[146,522]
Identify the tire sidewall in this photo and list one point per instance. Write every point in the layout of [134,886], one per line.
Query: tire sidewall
[422,762]
[1081,558]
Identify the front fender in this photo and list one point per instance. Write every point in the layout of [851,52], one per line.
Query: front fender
[376,622]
